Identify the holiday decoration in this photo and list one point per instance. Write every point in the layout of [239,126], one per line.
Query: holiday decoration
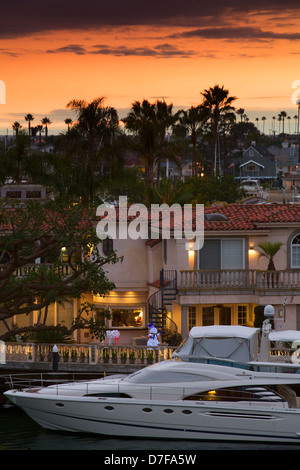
[153,337]
[113,337]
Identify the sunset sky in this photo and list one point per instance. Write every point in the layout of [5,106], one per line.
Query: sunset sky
[127,50]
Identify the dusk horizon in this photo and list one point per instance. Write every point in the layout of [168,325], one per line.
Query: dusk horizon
[57,52]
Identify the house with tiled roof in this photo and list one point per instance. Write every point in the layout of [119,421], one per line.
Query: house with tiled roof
[221,283]
[176,285]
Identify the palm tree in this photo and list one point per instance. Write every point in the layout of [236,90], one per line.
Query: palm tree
[29,118]
[39,129]
[69,122]
[283,115]
[289,119]
[149,122]
[274,125]
[279,120]
[217,102]
[269,250]
[263,120]
[92,126]
[191,121]
[241,113]
[91,117]
[16,127]
[296,120]
[46,121]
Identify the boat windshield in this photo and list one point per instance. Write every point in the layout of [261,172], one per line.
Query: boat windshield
[153,376]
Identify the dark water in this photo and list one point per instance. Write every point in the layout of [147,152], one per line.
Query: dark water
[18,432]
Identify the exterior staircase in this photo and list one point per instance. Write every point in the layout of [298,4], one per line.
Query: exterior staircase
[158,302]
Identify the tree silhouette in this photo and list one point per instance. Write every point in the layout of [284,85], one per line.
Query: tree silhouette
[29,118]
[217,102]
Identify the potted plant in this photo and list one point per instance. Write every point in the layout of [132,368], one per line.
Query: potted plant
[82,356]
[74,355]
[66,354]
[149,357]
[114,355]
[123,357]
[269,250]
[105,355]
[141,356]
[132,357]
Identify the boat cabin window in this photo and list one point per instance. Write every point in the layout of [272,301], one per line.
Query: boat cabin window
[153,377]
[234,394]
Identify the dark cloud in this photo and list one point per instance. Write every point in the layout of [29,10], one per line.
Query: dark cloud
[20,18]
[236,33]
[161,50]
[75,48]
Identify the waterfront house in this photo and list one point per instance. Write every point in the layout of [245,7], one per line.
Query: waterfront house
[224,282]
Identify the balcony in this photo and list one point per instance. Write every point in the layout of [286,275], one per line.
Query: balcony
[239,281]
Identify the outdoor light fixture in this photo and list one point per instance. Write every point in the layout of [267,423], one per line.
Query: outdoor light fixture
[251,248]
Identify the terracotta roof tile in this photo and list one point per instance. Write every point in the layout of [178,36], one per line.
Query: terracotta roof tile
[247,217]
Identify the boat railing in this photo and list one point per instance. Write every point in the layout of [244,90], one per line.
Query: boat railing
[87,387]
[92,353]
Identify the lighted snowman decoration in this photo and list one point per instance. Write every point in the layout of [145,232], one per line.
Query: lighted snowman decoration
[153,337]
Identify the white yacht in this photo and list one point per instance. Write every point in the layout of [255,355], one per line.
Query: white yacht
[174,400]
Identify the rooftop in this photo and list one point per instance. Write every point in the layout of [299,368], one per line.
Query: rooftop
[252,216]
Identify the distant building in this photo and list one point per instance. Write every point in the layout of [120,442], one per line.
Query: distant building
[287,165]
[257,162]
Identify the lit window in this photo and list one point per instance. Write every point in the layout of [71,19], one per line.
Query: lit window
[127,317]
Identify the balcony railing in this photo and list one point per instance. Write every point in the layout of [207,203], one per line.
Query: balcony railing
[239,279]
[87,353]
[64,269]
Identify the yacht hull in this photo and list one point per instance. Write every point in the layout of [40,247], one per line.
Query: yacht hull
[161,420]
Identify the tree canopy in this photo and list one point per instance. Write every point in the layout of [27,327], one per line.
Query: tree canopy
[48,253]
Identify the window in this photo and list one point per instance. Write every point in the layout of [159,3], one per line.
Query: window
[295,252]
[251,167]
[242,314]
[208,316]
[192,316]
[126,317]
[222,254]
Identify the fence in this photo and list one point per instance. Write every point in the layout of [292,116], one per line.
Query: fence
[88,353]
